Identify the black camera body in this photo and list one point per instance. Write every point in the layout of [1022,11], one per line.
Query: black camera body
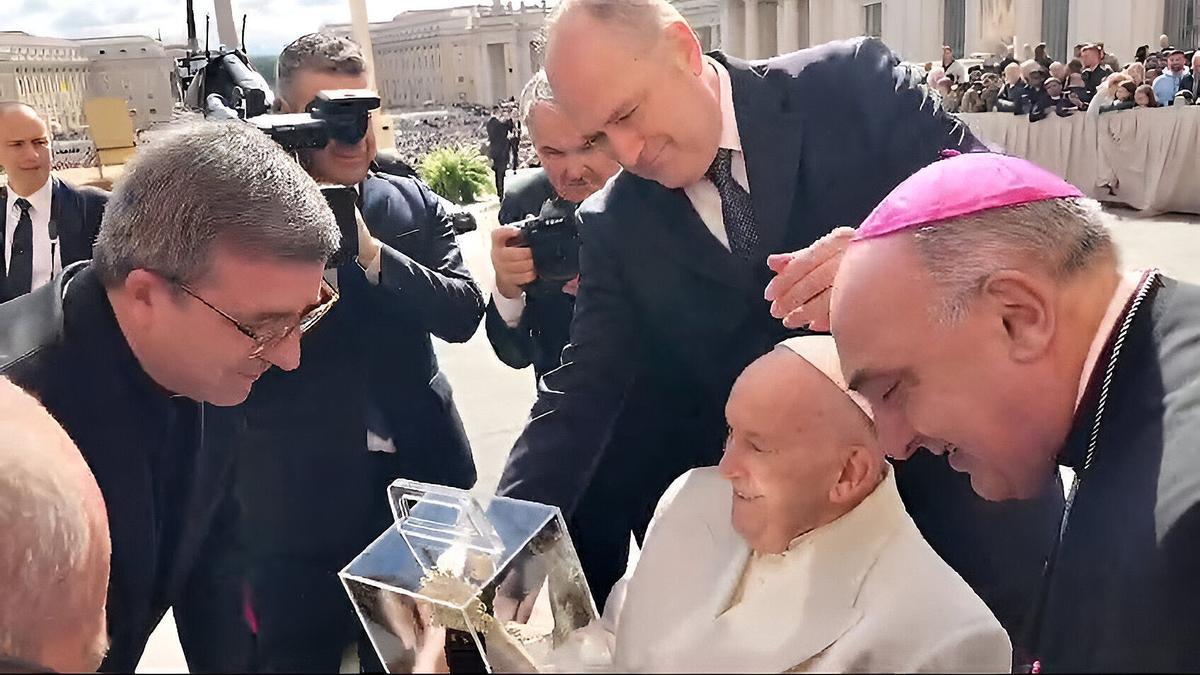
[228,87]
[554,243]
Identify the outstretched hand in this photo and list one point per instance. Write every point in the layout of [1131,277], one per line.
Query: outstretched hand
[800,292]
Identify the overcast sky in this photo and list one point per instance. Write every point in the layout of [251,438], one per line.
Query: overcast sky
[271,24]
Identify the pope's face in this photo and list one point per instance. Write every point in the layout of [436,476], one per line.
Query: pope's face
[788,431]
[954,388]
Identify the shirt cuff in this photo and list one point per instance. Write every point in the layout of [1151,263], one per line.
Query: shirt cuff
[372,271]
[510,309]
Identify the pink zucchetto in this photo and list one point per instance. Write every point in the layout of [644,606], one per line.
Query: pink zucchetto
[959,185]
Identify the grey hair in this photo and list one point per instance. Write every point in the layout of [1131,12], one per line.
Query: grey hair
[643,19]
[50,511]
[1061,237]
[203,184]
[537,90]
[318,52]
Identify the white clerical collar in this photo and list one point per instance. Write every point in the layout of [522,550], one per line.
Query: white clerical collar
[730,139]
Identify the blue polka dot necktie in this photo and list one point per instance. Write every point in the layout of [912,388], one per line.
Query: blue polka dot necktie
[736,209]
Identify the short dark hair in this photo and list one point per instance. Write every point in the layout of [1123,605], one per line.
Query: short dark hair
[319,52]
[1179,52]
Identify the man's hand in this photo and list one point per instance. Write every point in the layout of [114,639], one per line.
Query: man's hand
[799,293]
[513,264]
[369,247]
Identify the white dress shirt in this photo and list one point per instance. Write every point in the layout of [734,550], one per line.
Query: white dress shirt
[703,193]
[44,262]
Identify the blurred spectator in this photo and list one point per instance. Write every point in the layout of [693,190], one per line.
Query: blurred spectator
[949,94]
[1008,57]
[54,562]
[1011,93]
[1076,92]
[935,75]
[1136,71]
[953,68]
[1164,43]
[991,91]
[1108,93]
[973,99]
[1052,99]
[1141,54]
[1144,97]
[1074,66]
[1171,80]
[1154,62]
[1028,68]
[1191,82]
[1039,55]
[1108,59]
[1026,52]
[1058,70]
[1123,98]
[1185,97]
[1078,51]
[1094,71]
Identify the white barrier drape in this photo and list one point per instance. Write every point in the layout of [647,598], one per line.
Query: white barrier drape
[1150,158]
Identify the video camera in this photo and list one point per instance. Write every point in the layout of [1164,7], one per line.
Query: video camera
[228,87]
[553,239]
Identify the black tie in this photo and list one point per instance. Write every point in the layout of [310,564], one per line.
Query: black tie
[736,208]
[20,267]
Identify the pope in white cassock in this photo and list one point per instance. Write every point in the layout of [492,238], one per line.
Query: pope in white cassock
[796,553]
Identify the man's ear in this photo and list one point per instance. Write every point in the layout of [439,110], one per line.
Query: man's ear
[1025,306]
[684,46]
[859,475]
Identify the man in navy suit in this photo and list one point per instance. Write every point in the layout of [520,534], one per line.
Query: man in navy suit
[368,405]
[727,163]
[47,223]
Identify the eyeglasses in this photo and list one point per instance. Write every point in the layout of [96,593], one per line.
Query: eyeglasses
[265,339]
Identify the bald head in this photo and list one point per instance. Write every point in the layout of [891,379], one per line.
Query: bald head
[800,453]
[24,147]
[631,77]
[54,563]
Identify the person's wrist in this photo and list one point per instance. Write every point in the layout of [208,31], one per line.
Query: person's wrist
[510,291]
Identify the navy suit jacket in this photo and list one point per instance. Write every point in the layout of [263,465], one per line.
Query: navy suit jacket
[827,132]
[309,485]
[75,213]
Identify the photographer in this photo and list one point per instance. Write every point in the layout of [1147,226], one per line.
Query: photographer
[368,405]
[207,270]
[528,323]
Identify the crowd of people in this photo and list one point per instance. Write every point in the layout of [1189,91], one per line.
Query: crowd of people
[459,126]
[840,449]
[1092,81]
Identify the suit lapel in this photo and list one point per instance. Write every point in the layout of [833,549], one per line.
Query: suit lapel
[685,237]
[66,221]
[769,128]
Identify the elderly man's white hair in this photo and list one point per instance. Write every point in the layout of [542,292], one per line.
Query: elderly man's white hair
[537,90]
[54,541]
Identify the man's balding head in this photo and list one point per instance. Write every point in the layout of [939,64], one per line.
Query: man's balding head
[54,562]
[800,452]
[630,75]
[24,147]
